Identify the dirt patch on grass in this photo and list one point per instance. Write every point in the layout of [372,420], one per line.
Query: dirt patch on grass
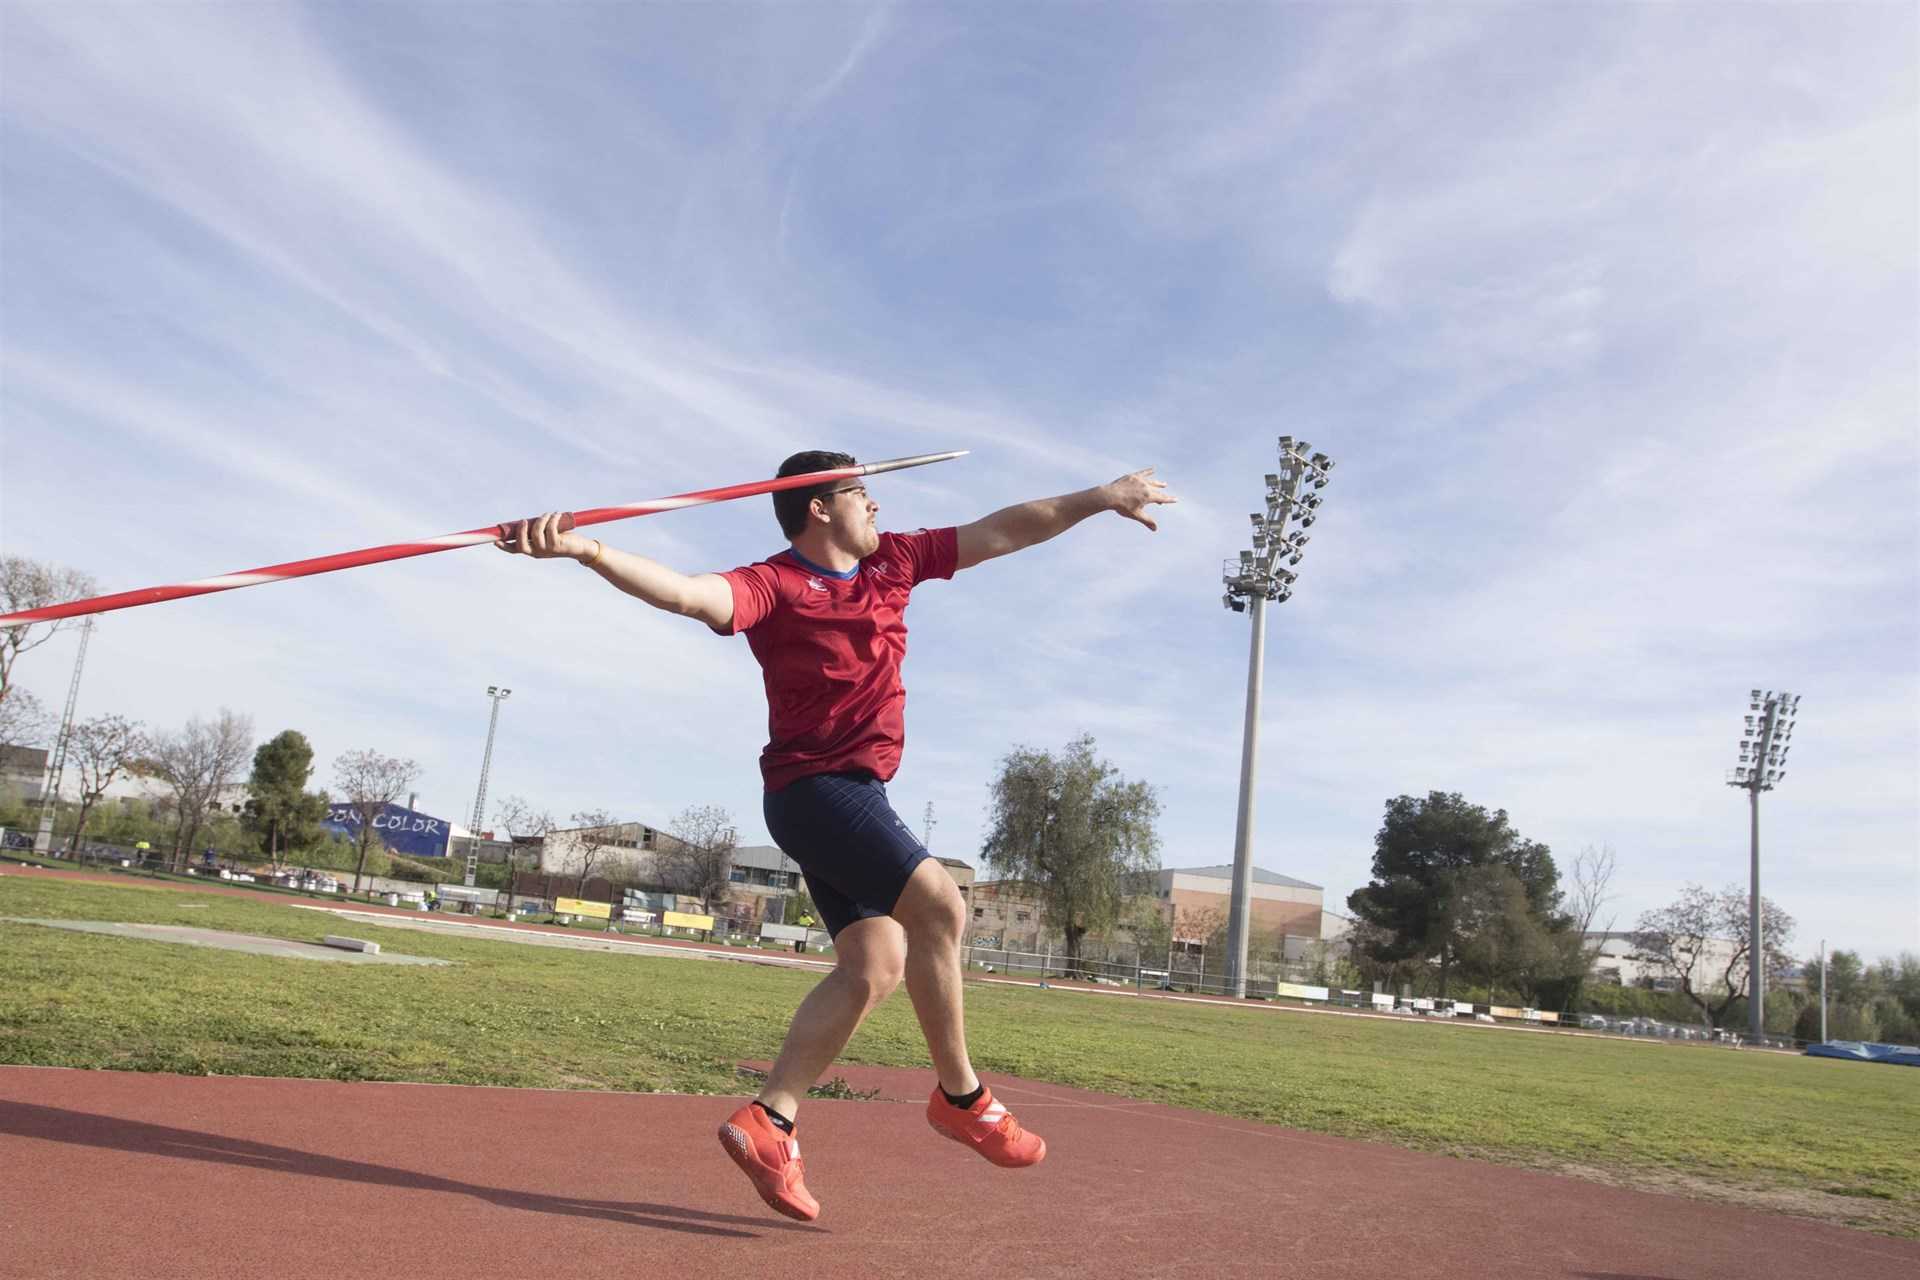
[835,1087]
[1840,1206]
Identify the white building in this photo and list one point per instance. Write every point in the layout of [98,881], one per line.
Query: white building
[1616,960]
[623,851]
[23,776]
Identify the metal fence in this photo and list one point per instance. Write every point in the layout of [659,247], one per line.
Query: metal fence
[1191,973]
[1121,966]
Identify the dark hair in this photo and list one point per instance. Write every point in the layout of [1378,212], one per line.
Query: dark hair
[790,505]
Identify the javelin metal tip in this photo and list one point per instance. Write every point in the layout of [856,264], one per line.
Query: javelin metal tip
[919,460]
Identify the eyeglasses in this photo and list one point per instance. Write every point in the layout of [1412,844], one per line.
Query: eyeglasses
[852,488]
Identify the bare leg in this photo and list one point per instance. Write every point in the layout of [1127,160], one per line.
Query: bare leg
[869,956]
[934,914]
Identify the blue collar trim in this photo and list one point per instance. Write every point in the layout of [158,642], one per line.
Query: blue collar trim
[822,570]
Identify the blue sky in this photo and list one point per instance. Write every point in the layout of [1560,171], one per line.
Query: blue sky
[1607,313]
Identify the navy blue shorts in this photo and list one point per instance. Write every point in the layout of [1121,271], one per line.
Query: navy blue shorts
[853,848]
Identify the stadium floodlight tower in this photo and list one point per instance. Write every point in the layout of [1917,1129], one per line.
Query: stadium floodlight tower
[1763,766]
[499,696]
[1262,575]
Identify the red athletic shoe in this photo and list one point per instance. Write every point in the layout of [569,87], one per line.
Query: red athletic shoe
[771,1159]
[988,1128]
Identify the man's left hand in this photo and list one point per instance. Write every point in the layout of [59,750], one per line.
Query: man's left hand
[1131,495]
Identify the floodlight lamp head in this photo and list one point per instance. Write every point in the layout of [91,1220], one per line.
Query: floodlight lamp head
[1295,557]
[1256,517]
[505,692]
[1273,481]
[492,690]
[1306,521]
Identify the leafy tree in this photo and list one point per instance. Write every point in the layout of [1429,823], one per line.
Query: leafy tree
[369,781]
[1148,925]
[1702,938]
[1864,1002]
[699,860]
[1846,977]
[102,749]
[196,764]
[1504,942]
[1427,860]
[281,813]
[31,584]
[1077,830]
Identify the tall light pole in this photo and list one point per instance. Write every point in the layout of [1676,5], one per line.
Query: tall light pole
[1763,764]
[1257,577]
[499,696]
[1823,991]
[57,758]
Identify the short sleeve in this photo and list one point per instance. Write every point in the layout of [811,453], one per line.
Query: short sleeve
[927,553]
[756,590]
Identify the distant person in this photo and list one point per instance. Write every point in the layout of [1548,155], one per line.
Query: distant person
[824,618]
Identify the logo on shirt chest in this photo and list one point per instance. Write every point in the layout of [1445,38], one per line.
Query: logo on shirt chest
[816,584]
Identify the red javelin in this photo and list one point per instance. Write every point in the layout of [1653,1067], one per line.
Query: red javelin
[448,541]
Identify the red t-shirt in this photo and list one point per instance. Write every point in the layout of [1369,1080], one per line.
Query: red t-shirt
[830,647]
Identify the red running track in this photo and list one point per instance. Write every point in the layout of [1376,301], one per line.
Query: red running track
[109,1174]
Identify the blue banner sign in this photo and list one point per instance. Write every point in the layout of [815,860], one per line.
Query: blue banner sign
[407,833]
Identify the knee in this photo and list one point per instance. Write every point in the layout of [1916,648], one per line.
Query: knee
[940,920]
[875,978]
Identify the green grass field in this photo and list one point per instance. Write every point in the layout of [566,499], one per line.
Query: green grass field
[1829,1139]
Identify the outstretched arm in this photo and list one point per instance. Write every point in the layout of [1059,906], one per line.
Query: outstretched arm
[705,596]
[1014,528]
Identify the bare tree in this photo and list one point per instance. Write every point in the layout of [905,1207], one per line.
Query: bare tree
[102,749]
[23,721]
[196,764]
[596,832]
[31,584]
[1592,877]
[1592,884]
[368,782]
[699,860]
[1702,939]
[521,822]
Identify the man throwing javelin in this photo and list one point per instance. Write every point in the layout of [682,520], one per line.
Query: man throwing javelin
[824,618]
